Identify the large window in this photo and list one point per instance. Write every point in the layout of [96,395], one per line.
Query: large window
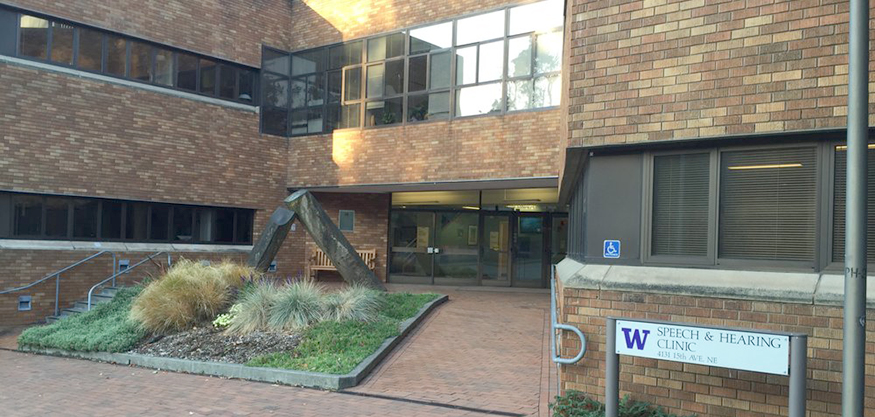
[77,46]
[763,210]
[31,216]
[489,63]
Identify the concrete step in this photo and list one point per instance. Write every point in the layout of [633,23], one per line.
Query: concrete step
[81,306]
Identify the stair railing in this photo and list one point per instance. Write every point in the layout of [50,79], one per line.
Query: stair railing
[119,273]
[57,276]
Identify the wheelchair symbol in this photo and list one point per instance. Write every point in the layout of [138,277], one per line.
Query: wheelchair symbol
[612,249]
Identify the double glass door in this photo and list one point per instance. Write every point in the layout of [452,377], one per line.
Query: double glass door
[471,248]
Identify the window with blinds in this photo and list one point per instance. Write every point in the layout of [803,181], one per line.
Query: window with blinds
[768,204]
[838,220]
[680,205]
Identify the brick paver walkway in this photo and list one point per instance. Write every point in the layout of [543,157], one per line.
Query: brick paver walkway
[482,351]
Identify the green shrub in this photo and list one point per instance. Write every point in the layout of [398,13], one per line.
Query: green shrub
[577,404]
[254,307]
[187,294]
[352,303]
[296,306]
[402,306]
[106,328]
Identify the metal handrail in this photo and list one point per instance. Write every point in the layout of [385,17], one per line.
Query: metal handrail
[119,273]
[57,275]
[558,326]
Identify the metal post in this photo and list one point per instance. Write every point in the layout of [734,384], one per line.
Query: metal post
[854,337]
[798,374]
[612,370]
[57,291]
[114,268]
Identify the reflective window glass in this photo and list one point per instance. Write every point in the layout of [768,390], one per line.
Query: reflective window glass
[207,77]
[385,47]
[111,220]
[335,86]
[275,62]
[375,81]
[347,54]
[481,99]
[519,95]
[116,55]
[33,37]
[62,43]
[480,28]
[350,116]
[431,37]
[548,91]
[383,112]
[548,57]
[273,122]
[90,50]
[466,65]
[439,75]
[245,85]
[85,219]
[519,57]
[276,90]
[243,233]
[27,215]
[160,221]
[541,16]
[308,62]
[227,81]
[428,107]
[491,61]
[183,223]
[186,78]
[418,72]
[57,210]
[394,78]
[141,61]
[353,84]
[224,225]
[163,67]
[306,121]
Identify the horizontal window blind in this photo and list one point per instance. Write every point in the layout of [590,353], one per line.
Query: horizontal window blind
[768,204]
[680,205]
[838,223]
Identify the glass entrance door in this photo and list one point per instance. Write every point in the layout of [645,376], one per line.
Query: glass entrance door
[495,246]
[412,242]
[530,251]
[456,244]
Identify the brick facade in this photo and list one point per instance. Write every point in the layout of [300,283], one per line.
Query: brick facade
[711,391]
[486,147]
[670,69]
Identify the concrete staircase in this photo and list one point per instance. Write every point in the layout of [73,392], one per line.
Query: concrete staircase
[81,306]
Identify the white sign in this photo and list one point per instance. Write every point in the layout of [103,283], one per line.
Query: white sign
[748,351]
[611,249]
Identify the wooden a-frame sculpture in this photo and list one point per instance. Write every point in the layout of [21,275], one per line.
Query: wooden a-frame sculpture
[302,206]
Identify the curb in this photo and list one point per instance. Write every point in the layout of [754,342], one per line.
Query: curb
[272,375]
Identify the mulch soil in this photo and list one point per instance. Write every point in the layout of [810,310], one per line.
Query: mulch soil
[211,344]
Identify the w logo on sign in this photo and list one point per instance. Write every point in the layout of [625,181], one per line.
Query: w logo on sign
[633,338]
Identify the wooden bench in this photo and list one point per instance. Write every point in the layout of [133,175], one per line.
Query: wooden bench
[320,262]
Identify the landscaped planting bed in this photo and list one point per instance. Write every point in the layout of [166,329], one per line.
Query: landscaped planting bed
[230,314]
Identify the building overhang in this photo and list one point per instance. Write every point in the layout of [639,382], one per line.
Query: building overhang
[577,157]
[454,185]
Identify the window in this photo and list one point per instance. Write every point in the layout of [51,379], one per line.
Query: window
[768,204]
[90,50]
[275,92]
[839,207]
[346,220]
[680,211]
[72,44]
[64,218]
[62,43]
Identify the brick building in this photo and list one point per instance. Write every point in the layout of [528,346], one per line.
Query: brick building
[429,132]
[707,138]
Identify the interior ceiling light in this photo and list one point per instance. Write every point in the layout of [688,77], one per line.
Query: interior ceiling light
[470,208]
[845,147]
[770,166]
[531,200]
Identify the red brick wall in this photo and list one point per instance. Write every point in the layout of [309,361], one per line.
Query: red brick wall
[21,267]
[711,391]
[233,30]
[670,69]
[487,147]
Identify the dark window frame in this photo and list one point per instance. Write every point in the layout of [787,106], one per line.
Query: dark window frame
[155,47]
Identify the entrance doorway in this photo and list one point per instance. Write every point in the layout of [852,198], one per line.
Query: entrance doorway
[474,247]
